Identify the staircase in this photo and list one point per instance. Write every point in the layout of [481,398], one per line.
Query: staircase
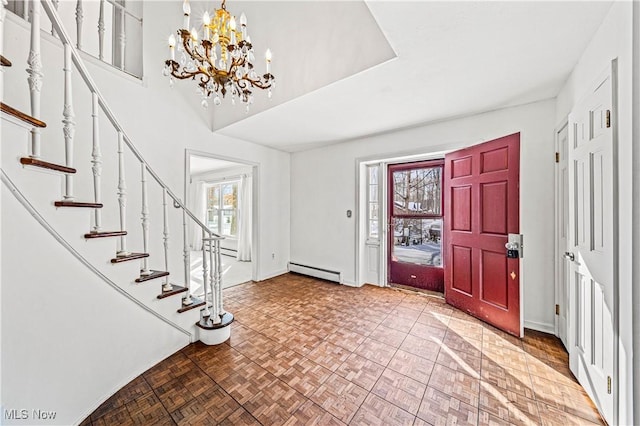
[27,174]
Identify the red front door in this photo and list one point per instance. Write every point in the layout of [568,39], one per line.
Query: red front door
[415,225]
[481,207]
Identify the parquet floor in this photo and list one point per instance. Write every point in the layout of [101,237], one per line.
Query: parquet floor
[308,352]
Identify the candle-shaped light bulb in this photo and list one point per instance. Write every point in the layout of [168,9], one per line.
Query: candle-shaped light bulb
[267,56]
[232,29]
[186,9]
[206,21]
[243,25]
[194,34]
[172,45]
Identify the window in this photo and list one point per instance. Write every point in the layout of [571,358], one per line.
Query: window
[222,208]
[417,214]
[373,187]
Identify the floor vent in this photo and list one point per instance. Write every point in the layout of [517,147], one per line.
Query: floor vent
[312,271]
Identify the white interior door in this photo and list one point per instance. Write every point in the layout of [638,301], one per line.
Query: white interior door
[562,234]
[592,228]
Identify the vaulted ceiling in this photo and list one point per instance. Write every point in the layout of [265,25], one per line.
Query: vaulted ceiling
[348,69]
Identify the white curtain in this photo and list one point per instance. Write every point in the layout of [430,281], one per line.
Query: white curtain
[244,219]
[199,207]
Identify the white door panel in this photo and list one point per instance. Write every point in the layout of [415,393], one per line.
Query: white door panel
[562,234]
[591,238]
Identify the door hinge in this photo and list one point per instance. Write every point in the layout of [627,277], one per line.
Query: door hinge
[609,384]
[557,157]
[608,119]
[557,309]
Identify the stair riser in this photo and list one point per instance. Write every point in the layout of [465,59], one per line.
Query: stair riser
[42,187]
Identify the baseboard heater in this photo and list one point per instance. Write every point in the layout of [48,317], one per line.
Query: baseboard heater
[312,271]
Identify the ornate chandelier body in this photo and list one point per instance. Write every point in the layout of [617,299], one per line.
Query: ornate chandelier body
[221,61]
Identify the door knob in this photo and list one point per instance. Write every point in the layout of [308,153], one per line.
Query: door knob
[569,255]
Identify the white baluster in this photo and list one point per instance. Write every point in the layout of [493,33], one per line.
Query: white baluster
[55,4]
[25,9]
[145,222]
[221,310]
[187,300]
[122,197]
[96,160]
[101,32]
[165,237]
[212,282]
[122,37]
[69,125]
[79,20]
[35,73]
[205,311]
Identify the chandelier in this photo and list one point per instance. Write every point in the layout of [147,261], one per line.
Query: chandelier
[220,58]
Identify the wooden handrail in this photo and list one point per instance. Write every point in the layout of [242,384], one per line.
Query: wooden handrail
[84,73]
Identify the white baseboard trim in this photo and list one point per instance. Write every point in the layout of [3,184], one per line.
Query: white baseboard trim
[540,326]
[351,284]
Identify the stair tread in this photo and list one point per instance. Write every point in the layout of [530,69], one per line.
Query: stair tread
[130,256]
[105,234]
[152,276]
[78,204]
[28,161]
[22,116]
[197,302]
[5,62]
[175,289]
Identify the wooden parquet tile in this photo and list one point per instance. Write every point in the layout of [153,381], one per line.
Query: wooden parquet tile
[459,385]
[439,408]
[376,351]
[434,319]
[361,371]
[340,397]
[377,411]
[411,365]
[275,403]
[328,355]
[306,376]
[339,355]
[310,414]
[388,336]
[399,323]
[400,390]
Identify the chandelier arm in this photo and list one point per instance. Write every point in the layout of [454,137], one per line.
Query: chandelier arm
[192,52]
[182,74]
[257,83]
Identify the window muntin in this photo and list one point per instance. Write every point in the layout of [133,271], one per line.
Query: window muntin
[373,204]
[417,215]
[418,191]
[222,208]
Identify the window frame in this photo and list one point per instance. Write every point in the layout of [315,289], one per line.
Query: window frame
[369,202]
[220,209]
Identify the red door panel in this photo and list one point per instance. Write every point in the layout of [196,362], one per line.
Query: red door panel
[481,197]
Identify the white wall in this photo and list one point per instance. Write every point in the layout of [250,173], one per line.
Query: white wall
[614,40]
[68,339]
[323,187]
[162,122]
[42,326]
